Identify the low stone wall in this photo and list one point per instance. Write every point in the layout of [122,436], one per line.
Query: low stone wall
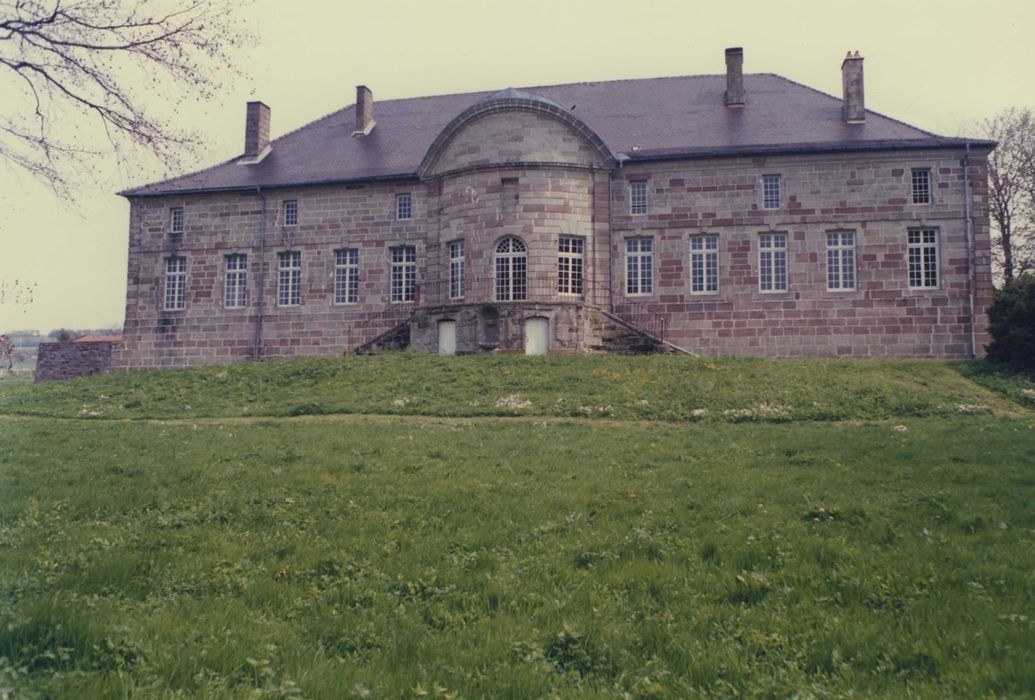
[70,359]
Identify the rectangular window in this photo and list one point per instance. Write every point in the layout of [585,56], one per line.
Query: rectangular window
[404,206]
[289,278]
[840,260]
[923,258]
[921,186]
[236,294]
[404,273]
[570,265]
[176,220]
[704,264]
[639,266]
[346,276]
[772,262]
[175,283]
[771,196]
[637,197]
[291,212]
[456,270]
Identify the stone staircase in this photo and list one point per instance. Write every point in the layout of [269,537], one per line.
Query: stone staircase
[395,338]
[604,332]
[614,335]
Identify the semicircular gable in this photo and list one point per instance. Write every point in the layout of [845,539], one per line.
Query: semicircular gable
[515,127]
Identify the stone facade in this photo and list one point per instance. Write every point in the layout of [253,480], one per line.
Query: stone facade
[514,169]
[866,194]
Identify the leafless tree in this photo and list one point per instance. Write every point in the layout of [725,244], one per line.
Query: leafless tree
[1011,190]
[7,354]
[82,78]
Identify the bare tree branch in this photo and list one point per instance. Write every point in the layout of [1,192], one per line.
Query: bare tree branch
[1011,190]
[92,76]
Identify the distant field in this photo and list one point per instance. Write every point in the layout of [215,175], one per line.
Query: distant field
[892,554]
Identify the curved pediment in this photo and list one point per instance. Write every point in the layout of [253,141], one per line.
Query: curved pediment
[515,127]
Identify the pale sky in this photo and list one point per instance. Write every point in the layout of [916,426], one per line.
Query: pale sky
[936,64]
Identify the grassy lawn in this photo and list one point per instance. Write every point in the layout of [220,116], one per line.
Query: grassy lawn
[638,388]
[892,554]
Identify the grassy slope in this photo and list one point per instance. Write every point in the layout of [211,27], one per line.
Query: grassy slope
[647,388]
[474,557]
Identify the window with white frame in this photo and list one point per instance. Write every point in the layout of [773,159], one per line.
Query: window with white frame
[772,262]
[923,258]
[289,278]
[404,206]
[638,197]
[176,220]
[404,273]
[291,212]
[771,195]
[704,264]
[921,186]
[511,270]
[175,283]
[639,266]
[570,265]
[346,276]
[236,292]
[457,263]
[840,260]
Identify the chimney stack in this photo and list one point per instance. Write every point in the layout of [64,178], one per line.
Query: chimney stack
[735,77]
[854,109]
[256,130]
[364,111]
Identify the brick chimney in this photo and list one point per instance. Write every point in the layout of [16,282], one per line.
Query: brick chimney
[256,130]
[735,94]
[364,111]
[854,108]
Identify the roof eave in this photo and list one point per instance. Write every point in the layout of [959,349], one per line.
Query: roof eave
[633,157]
[801,148]
[396,177]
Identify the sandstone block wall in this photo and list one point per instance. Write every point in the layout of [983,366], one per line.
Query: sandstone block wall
[868,194]
[528,175]
[68,360]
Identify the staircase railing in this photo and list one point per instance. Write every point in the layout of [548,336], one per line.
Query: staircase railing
[553,287]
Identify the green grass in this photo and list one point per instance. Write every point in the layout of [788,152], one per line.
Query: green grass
[530,556]
[639,388]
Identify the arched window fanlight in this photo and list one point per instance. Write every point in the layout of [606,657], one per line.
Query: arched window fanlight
[511,270]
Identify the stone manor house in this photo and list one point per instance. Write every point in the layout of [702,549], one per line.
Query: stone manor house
[716,214]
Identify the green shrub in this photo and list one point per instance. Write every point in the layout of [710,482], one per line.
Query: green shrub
[1011,321]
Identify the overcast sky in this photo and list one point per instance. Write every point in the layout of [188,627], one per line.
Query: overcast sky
[936,64]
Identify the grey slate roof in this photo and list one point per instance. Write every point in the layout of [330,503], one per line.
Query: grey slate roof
[644,119]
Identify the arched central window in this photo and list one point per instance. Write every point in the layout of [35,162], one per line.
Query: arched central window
[511,270]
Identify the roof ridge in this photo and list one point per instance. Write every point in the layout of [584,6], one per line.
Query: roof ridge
[352,105]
